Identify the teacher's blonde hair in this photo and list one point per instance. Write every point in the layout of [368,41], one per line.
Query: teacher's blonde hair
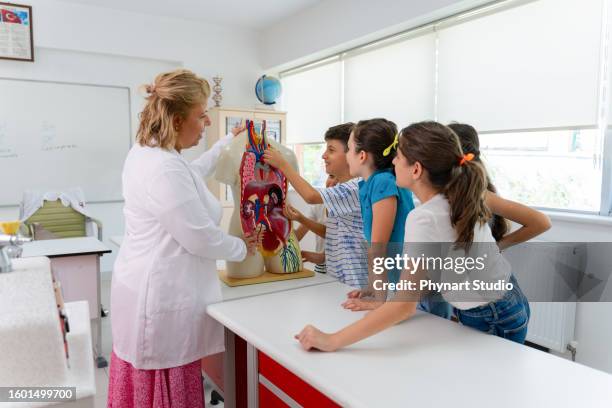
[172,94]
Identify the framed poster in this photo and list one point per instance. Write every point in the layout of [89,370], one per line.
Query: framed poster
[16,33]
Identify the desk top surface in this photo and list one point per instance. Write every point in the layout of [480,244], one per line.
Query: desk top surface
[64,247]
[425,361]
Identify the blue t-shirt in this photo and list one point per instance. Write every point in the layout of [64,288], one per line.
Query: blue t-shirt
[379,186]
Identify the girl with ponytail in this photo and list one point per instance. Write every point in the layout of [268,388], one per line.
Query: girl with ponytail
[532,222]
[384,208]
[451,187]
[372,147]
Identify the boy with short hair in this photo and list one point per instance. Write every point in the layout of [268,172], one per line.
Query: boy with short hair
[346,256]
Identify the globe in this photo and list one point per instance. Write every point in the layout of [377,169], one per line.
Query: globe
[268,89]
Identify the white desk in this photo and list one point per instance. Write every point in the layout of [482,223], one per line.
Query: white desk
[423,362]
[64,247]
[76,264]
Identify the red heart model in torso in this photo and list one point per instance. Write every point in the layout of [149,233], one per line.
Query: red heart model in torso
[263,191]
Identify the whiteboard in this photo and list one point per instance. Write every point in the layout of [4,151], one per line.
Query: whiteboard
[57,135]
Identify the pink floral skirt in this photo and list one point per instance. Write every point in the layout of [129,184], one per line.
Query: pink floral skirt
[177,387]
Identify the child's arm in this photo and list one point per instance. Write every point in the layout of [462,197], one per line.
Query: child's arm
[295,215]
[373,322]
[532,222]
[300,232]
[383,218]
[401,308]
[304,189]
[314,257]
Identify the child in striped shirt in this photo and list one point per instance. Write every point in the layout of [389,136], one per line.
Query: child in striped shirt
[346,255]
[315,222]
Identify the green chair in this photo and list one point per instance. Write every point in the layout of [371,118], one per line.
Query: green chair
[54,220]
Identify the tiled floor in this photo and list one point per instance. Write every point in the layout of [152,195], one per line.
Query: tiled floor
[102,373]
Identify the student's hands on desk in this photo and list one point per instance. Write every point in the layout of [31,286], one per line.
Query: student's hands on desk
[361,299]
[312,338]
[357,304]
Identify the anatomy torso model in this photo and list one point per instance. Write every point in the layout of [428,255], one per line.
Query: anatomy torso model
[260,193]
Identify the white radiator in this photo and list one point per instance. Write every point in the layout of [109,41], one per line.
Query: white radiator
[549,271]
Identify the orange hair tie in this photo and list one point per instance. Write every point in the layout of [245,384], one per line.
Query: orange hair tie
[466,158]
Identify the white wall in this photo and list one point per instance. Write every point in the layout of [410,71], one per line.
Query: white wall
[204,48]
[593,329]
[86,44]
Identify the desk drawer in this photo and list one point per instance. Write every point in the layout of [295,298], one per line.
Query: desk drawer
[273,375]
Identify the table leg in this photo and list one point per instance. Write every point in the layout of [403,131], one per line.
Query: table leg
[100,360]
[252,377]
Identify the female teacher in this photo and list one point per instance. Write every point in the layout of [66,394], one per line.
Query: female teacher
[165,274]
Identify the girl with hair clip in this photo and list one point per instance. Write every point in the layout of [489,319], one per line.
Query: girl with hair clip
[451,187]
[372,147]
[384,206]
[533,222]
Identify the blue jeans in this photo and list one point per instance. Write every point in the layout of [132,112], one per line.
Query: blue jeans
[507,317]
[435,304]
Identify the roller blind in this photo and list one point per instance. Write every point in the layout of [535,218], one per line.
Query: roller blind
[394,81]
[532,66]
[312,101]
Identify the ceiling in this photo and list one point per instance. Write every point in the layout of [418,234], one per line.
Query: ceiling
[243,13]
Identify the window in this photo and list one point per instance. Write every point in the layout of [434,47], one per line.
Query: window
[553,169]
[311,165]
[535,91]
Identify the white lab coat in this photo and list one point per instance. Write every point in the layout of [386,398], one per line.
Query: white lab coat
[165,274]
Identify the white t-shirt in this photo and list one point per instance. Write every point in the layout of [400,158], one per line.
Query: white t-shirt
[430,223]
[318,213]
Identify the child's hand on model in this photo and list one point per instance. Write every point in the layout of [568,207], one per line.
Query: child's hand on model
[293,214]
[274,158]
[312,338]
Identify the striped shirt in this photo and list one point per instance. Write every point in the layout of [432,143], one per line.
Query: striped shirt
[346,255]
